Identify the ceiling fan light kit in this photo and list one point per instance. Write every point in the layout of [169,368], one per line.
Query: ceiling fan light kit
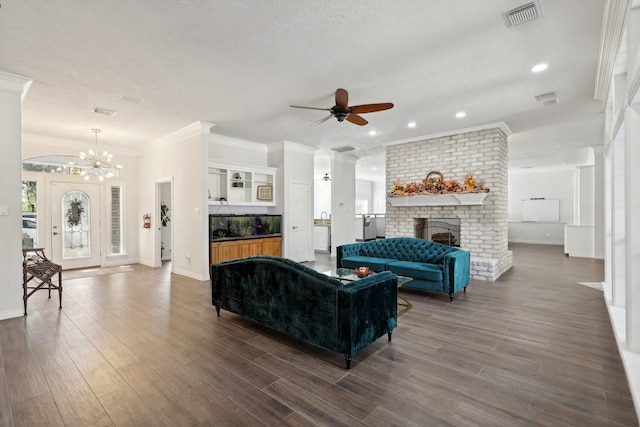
[342,111]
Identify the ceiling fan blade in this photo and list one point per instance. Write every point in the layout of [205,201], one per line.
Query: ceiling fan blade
[310,108]
[342,98]
[322,120]
[371,108]
[356,119]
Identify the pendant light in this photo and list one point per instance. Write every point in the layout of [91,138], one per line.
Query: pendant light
[99,165]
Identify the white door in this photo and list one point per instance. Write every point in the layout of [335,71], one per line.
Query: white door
[75,224]
[300,214]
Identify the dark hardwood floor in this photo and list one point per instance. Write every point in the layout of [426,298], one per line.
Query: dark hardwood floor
[145,348]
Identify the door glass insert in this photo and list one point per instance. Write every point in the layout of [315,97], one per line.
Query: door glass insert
[76,225]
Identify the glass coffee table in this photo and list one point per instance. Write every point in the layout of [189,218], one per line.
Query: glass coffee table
[348,275]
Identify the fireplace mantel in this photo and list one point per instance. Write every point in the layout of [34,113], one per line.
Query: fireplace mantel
[453,199]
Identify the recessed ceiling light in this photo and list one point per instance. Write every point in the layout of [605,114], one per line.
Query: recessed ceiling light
[412,124]
[539,67]
[372,132]
[460,114]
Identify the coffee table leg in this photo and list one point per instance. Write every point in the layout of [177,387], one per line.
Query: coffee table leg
[405,304]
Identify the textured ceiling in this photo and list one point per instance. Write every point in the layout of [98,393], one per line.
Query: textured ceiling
[163,65]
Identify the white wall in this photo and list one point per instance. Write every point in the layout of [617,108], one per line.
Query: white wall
[524,184]
[364,191]
[226,149]
[183,156]
[11,89]
[322,198]
[584,213]
[296,165]
[379,200]
[343,210]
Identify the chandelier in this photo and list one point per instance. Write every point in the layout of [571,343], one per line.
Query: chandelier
[98,165]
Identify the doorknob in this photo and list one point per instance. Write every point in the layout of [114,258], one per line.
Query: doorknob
[55,233]
[294,227]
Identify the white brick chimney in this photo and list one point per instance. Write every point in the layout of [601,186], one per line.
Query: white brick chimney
[483,228]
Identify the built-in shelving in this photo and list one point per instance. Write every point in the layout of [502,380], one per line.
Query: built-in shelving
[242,185]
[452,199]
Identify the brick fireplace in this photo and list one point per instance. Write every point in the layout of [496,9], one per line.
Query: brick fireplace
[441,230]
[483,226]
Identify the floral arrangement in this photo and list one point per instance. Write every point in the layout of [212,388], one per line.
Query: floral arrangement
[434,183]
[74,213]
[363,272]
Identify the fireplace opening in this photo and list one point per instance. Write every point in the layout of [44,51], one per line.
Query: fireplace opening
[439,230]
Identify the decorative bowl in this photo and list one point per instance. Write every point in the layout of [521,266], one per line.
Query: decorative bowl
[363,272]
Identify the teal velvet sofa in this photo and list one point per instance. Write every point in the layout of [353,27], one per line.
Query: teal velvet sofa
[432,266]
[313,307]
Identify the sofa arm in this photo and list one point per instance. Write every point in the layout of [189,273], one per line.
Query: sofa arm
[367,309]
[350,249]
[457,270]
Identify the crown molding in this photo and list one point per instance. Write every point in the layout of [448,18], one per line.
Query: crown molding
[191,131]
[613,27]
[14,83]
[500,125]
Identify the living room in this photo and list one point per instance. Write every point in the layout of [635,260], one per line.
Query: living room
[179,148]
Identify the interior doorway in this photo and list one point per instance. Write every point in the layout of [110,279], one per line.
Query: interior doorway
[164,213]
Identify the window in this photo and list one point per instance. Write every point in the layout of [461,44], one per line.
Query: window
[362,207]
[117,241]
[29,213]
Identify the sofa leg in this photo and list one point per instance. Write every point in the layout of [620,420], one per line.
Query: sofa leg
[347,358]
[450,297]
[218,310]
[389,335]
[465,290]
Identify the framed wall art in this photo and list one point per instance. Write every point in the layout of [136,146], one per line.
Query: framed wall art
[265,192]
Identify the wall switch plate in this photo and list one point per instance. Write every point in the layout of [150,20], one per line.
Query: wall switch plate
[4,210]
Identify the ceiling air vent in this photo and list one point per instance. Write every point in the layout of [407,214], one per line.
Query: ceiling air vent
[343,149]
[549,98]
[103,111]
[523,13]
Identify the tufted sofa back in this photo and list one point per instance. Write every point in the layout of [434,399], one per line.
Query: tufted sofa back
[407,249]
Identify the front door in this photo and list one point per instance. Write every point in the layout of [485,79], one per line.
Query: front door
[75,224]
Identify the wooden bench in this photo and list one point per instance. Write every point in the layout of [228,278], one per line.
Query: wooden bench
[38,273]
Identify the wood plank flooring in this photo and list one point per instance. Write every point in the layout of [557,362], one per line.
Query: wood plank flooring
[145,348]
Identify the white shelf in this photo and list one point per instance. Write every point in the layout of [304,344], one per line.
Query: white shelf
[452,199]
[238,184]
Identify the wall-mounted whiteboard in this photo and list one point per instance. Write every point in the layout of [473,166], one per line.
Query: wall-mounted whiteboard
[542,210]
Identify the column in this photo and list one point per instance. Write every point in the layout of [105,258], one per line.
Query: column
[608,217]
[12,88]
[618,223]
[632,228]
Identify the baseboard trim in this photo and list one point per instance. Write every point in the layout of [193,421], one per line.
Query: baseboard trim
[190,274]
[537,242]
[11,314]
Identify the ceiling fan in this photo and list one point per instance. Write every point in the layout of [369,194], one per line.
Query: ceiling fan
[342,111]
